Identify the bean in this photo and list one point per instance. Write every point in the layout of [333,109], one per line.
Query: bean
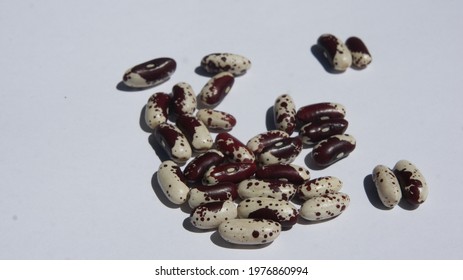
[216,89]
[262,140]
[284,112]
[335,148]
[211,215]
[172,182]
[294,174]
[318,186]
[249,231]
[387,186]
[233,148]
[324,207]
[320,111]
[197,167]
[196,132]
[277,210]
[229,172]
[157,109]
[174,142]
[183,99]
[275,188]
[335,51]
[216,121]
[283,151]
[317,131]
[412,182]
[361,57]
[206,194]
[150,73]
[226,62]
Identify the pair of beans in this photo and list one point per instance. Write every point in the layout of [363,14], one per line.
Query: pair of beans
[405,181]
[344,55]
[322,125]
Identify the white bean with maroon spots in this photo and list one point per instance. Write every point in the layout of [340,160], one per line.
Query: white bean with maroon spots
[324,207]
[319,186]
[211,215]
[249,231]
[172,182]
[387,185]
[226,62]
[266,188]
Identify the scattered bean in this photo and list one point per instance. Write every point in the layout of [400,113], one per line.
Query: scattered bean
[283,151]
[294,174]
[361,57]
[324,207]
[226,62]
[196,132]
[150,73]
[216,89]
[216,121]
[284,112]
[335,51]
[174,142]
[277,189]
[172,182]
[206,194]
[197,167]
[318,187]
[320,111]
[249,231]
[183,99]
[229,172]
[316,131]
[211,215]
[335,148]
[412,183]
[277,210]
[233,148]
[157,109]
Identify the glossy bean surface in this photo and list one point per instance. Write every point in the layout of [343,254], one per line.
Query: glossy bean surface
[196,133]
[335,51]
[206,194]
[333,149]
[226,62]
[216,121]
[361,57]
[275,188]
[229,172]
[197,167]
[211,215]
[183,99]
[216,89]
[283,151]
[233,148]
[262,140]
[412,182]
[150,73]
[317,131]
[277,210]
[174,142]
[249,231]
[320,111]
[319,186]
[291,172]
[284,111]
[324,207]
[157,109]
[172,182]
[387,186]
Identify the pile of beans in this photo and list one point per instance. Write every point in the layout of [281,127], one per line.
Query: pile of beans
[249,191]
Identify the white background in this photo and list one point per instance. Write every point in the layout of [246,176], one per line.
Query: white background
[76,165]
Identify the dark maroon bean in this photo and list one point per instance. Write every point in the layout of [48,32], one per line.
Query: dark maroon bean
[259,142]
[183,99]
[157,109]
[229,172]
[174,142]
[195,169]
[233,148]
[320,111]
[335,51]
[283,151]
[150,73]
[361,57]
[205,194]
[196,132]
[316,131]
[216,89]
[292,173]
[330,150]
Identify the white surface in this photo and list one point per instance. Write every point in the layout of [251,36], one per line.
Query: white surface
[76,167]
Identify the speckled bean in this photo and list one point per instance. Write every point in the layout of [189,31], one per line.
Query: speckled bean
[361,57]
[157,109]
[262,140]
[324,207]
[293,173]
[275,188]
[194,171]
[150,73]
[216,121]
[283,151]
[211,215]
[229,172]
[216,89]
[335,148]
[206,194]
[226,62]
[412,182]
[317,131]
[172,182]
[277,210]
[284,111]
[320,111]
[196,132]
[183,99]
[318,186]
[335,51]
[233,148]
[387,186]
[174,142]
[249,231]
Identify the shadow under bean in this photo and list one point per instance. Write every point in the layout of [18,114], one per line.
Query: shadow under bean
[319,54]
[162,197]
[372,194]
[270,119]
